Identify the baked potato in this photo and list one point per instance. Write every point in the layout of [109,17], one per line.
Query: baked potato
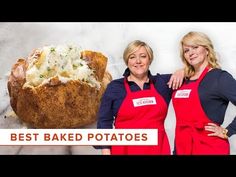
[58,86]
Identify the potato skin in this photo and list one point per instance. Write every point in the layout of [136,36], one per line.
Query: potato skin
[97,61]
[15,81]
[56,105]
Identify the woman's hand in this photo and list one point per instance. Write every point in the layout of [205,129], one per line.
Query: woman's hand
[217,130]
[106,152]
[176,79]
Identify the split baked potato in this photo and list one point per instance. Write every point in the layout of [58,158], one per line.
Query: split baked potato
[58,86]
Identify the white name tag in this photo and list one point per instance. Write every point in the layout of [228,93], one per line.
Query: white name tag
[144,101]
[183,93]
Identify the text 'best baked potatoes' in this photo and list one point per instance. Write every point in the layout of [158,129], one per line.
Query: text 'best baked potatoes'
[58,86]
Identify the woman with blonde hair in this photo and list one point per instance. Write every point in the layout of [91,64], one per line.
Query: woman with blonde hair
[200,103]
[138,100]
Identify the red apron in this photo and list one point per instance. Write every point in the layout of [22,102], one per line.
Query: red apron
[190,134]
[132,115]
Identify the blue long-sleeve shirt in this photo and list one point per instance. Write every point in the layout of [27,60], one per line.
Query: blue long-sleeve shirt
[116,93]
[216,90]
